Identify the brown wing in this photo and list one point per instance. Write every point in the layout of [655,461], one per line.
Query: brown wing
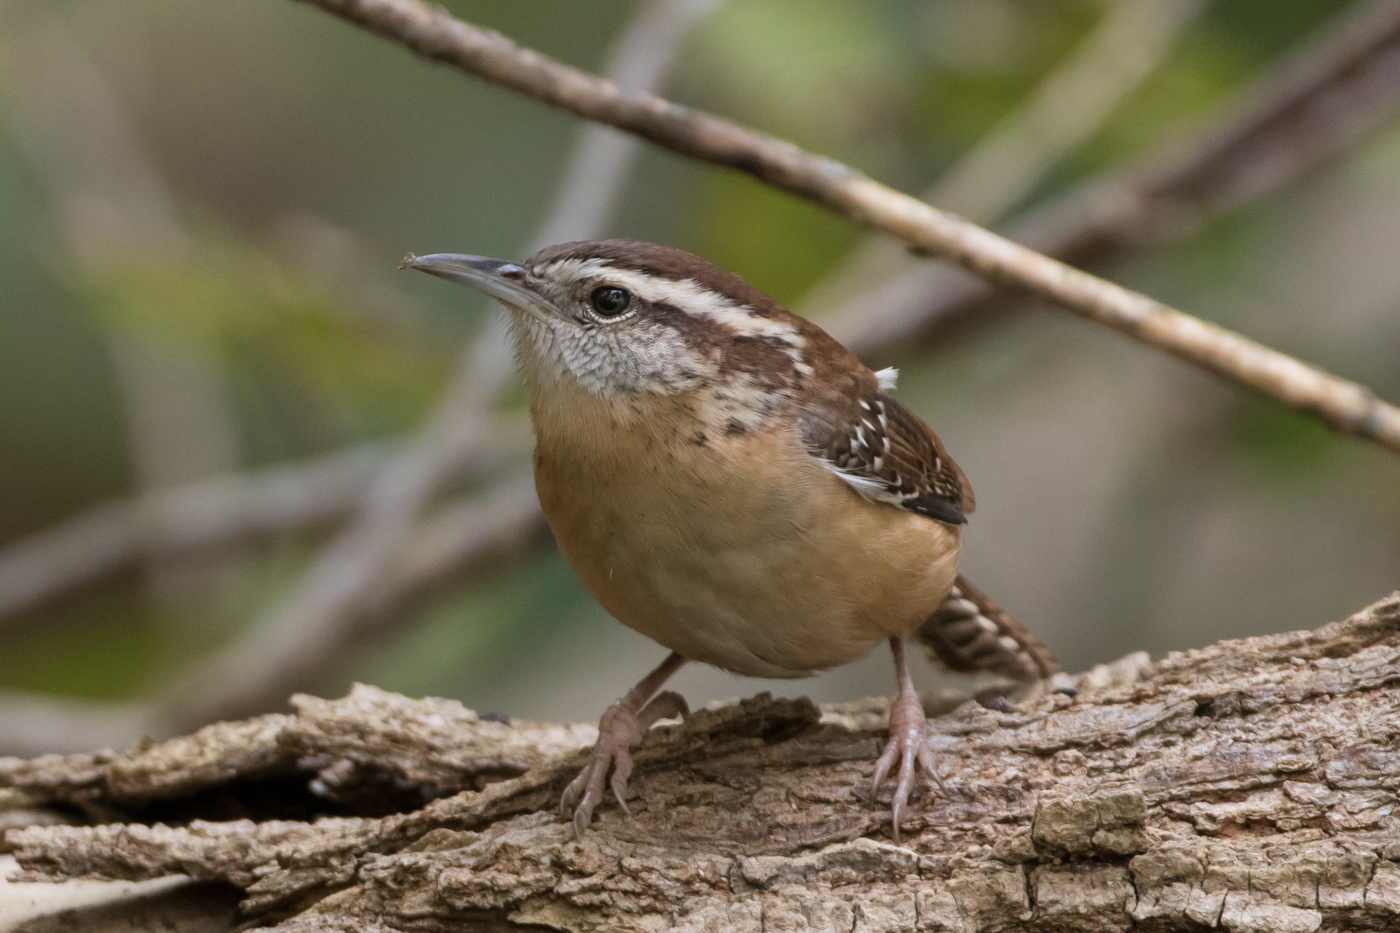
[889,455]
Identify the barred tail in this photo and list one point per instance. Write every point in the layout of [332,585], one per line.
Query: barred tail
[969,633]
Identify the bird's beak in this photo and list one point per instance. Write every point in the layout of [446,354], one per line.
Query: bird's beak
[502,280]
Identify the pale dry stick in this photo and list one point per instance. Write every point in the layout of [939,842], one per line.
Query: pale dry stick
[643,55]
[1068,106]
[461,536]
[591,187]
[1322,99]
[459,539]
[192,517]
[436,35]
[284,650]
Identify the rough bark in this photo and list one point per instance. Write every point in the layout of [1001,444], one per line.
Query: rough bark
[1249,786]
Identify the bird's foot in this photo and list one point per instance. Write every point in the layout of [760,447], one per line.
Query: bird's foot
[908,746]
[618,730]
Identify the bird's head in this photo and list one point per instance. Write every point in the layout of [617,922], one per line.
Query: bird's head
[620,318]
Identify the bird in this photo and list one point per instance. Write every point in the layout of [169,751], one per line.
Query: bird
[727,479]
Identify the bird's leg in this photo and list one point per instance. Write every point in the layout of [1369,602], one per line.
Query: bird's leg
[908,742]
[622,726]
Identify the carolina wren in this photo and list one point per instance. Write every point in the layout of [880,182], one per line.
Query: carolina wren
[727,479]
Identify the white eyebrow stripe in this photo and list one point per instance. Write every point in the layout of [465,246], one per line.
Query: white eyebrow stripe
[572,269]
[685,294]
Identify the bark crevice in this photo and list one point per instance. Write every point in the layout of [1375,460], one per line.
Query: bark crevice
[1249,786]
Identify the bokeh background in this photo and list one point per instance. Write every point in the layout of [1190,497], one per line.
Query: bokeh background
[202,206]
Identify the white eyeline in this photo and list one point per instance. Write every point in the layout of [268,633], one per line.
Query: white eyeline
[685,294]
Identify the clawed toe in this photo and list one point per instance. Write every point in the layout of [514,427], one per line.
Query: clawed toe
[619,729]
[616,733]
[908,747]
[585,792]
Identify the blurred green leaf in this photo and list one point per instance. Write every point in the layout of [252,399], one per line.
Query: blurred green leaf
[283,329]
[1273,443]
[778,243]
[110,646]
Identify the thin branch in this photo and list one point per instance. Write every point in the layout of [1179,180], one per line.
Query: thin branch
[459,540]
[205,516]
[641,59]
[193,517]
[437,36]
[1321,100]
[335,598]
[1068,106]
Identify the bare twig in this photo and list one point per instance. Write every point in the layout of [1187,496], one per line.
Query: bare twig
[434,34]
[459,540]
[206,515]
[330,604]
[1321,100]
[1058,115]
[196,516]
[460,537]
[641,58]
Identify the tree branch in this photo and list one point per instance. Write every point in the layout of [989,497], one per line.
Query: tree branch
[1318,102]
[192,517]
[435,35]
[1249,785]
[458,540]
[1064,110]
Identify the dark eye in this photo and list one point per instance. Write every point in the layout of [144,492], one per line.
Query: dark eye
[609,300]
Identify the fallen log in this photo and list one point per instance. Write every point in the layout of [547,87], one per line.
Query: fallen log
[1249,786]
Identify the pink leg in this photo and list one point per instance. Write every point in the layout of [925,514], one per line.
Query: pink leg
[622,726]
[908,739]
